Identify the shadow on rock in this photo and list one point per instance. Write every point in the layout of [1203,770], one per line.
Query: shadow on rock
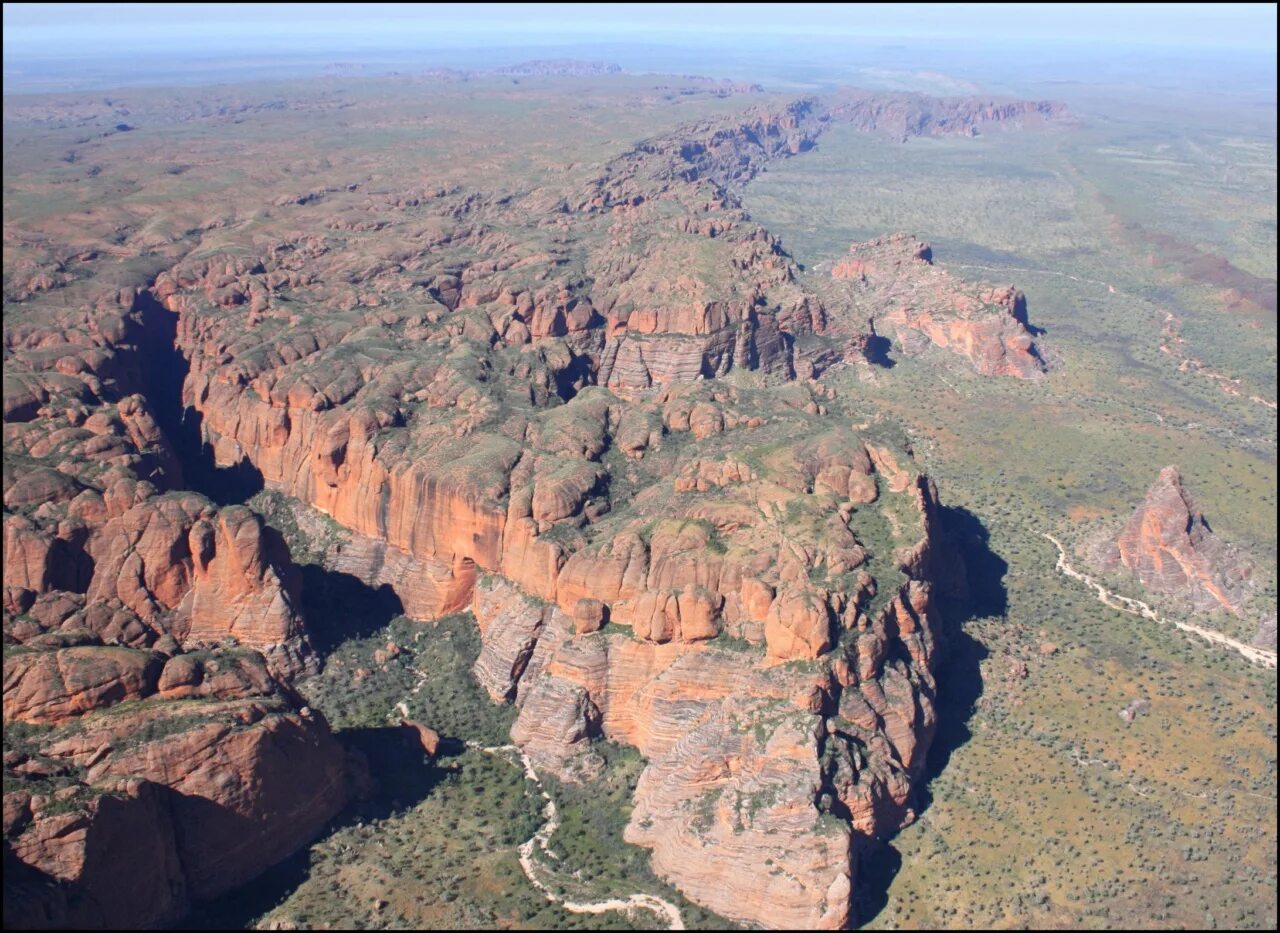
[959,688]
[984,569]
[960,677]
[339,606]
[405,777]
[167,371]
[877,351]
[404,773]
[878,864]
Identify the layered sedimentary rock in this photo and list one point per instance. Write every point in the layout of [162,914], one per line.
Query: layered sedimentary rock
[203,794]
[510,392]
[88,508]
[893,280]
[905,115]
[1171,550]
[138,778]
[761,775]
[210,573]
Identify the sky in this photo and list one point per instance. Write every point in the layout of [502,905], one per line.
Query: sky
[54,30]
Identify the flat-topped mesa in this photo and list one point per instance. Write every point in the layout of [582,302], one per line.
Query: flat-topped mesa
[883,258]
[480,499]
[894,280]
[511,400]
[902,115]
[723,87]
[746,512]
[724,151]
[1170,548]
[560,67]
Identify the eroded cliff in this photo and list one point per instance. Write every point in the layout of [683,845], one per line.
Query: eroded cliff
[584,407]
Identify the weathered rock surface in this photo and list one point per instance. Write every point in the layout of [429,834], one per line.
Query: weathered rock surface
[199,766]
[894,279]
[1171,550]
[1265,637]
[750,761]
[87,509]
[204,794]
[50,686]
[905,115]
[421,736]
[209,573]
[63,864]
[481,376]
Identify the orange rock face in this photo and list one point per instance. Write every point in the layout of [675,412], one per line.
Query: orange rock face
[895,275]
[51,686]
[1169,547]
[424,737]
[98,521]
[67,872]
[199,766]
[734,501]
[511,403]
[747,759]
[209,573]
[205,794]
[798,625]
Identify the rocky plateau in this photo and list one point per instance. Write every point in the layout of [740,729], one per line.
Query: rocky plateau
[587,409]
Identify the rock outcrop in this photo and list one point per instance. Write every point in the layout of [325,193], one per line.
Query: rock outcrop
[510,392]
[1265,636]
[893,280]
[1171,550]
[138,778]
[903,116]
[201,766]
[88,507]
[761,775]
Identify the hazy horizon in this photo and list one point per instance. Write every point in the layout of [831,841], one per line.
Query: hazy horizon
[62,29]
[79,47]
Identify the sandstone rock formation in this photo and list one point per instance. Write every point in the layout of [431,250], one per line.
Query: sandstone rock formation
[138,778]
[87,509]
[761,775]
[894,280]
[510,391]
[203,794]
[905,115]
[1171,550]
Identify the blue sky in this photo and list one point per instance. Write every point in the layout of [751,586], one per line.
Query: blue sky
[56,29]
